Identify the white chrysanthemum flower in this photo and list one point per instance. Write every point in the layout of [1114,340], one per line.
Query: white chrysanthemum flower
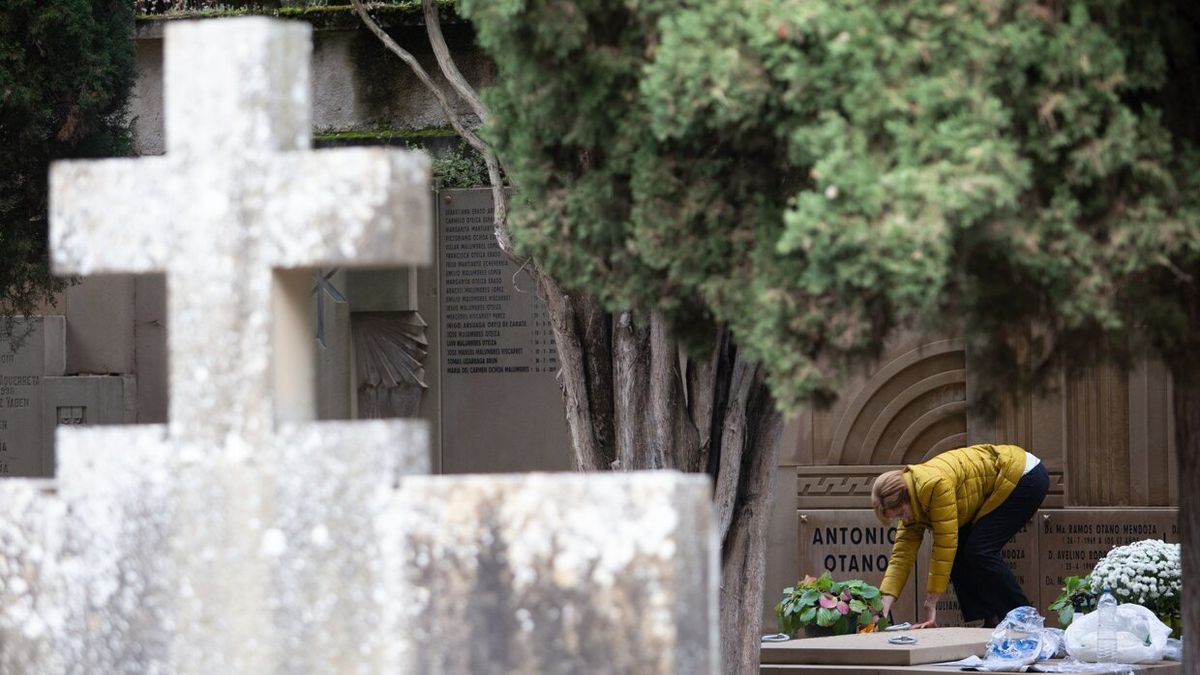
[1147,572]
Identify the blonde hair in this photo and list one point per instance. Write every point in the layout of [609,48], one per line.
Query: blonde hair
[888,492]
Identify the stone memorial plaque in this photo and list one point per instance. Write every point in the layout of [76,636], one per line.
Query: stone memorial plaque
[1021,555]
[850,544]
[1071,542]
[501,405]
[33,349]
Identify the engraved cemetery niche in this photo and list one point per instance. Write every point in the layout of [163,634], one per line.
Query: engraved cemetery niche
[498,360]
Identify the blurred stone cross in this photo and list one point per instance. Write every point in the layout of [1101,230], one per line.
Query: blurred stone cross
[242,537]
[263,516]
[237,214]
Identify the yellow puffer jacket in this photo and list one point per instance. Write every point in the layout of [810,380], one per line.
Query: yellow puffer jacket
[947,492]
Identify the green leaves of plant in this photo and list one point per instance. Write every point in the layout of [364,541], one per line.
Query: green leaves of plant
[820,602]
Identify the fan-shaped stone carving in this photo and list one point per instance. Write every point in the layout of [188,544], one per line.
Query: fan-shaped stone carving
[389,351]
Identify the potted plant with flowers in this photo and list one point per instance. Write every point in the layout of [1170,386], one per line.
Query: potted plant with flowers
[821,606]
[1148,573]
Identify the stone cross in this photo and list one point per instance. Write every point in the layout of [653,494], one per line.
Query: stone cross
[238,213]
[242,537]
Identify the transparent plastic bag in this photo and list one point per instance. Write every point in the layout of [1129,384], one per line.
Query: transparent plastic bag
[1022,637]
[1173,651]
[1141,637]
[1073,666]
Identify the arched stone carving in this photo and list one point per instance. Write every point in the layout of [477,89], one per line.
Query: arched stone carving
[914,402]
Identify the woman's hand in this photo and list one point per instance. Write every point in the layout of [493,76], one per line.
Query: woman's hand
[930,611]
[887,604]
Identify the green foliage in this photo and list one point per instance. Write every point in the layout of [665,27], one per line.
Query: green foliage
[66,69]
[1076,596]
[462,167]
[815,174]
[843,606]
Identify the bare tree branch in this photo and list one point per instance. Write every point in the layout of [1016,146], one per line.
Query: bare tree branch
[433,26]
[446,62]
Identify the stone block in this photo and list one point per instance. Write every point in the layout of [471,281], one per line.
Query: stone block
[553,573]
[501,404]
[870,649]
[150,347]
[31,608]
[85,399]
[100,324]
[34,350]
[119,579]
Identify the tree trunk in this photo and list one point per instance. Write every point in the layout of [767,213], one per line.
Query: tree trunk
[634,401]
[1186,400]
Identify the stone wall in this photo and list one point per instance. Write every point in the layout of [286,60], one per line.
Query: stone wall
[1105,436]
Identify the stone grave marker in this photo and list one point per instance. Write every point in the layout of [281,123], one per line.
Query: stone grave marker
[31,350]
[545,573]
[1072,541]
[498,360]
[851,544]
[242,537]
[237,538]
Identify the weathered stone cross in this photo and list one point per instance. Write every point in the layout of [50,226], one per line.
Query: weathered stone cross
[244,538]
[237,199]
[237,214]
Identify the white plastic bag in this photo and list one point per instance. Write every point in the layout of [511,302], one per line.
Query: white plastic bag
[1141,637]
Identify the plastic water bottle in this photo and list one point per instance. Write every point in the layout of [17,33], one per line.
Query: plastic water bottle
[1106,628]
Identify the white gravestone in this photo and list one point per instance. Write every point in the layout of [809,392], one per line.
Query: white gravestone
[242,537]
[556,573]
[255,524]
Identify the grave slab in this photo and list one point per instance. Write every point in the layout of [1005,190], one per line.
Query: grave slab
[554,573]
[1164,668]
[873,649]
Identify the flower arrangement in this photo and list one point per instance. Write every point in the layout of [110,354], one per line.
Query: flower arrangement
[1147,572]
[838,606]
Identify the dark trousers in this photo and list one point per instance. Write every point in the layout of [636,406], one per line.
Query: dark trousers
[985,586]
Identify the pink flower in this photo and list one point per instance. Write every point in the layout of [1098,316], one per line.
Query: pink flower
[828,601]
[843,608]
[846,595]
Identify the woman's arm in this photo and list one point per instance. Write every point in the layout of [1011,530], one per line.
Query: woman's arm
[904,554]
[929,611]
[943,519]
